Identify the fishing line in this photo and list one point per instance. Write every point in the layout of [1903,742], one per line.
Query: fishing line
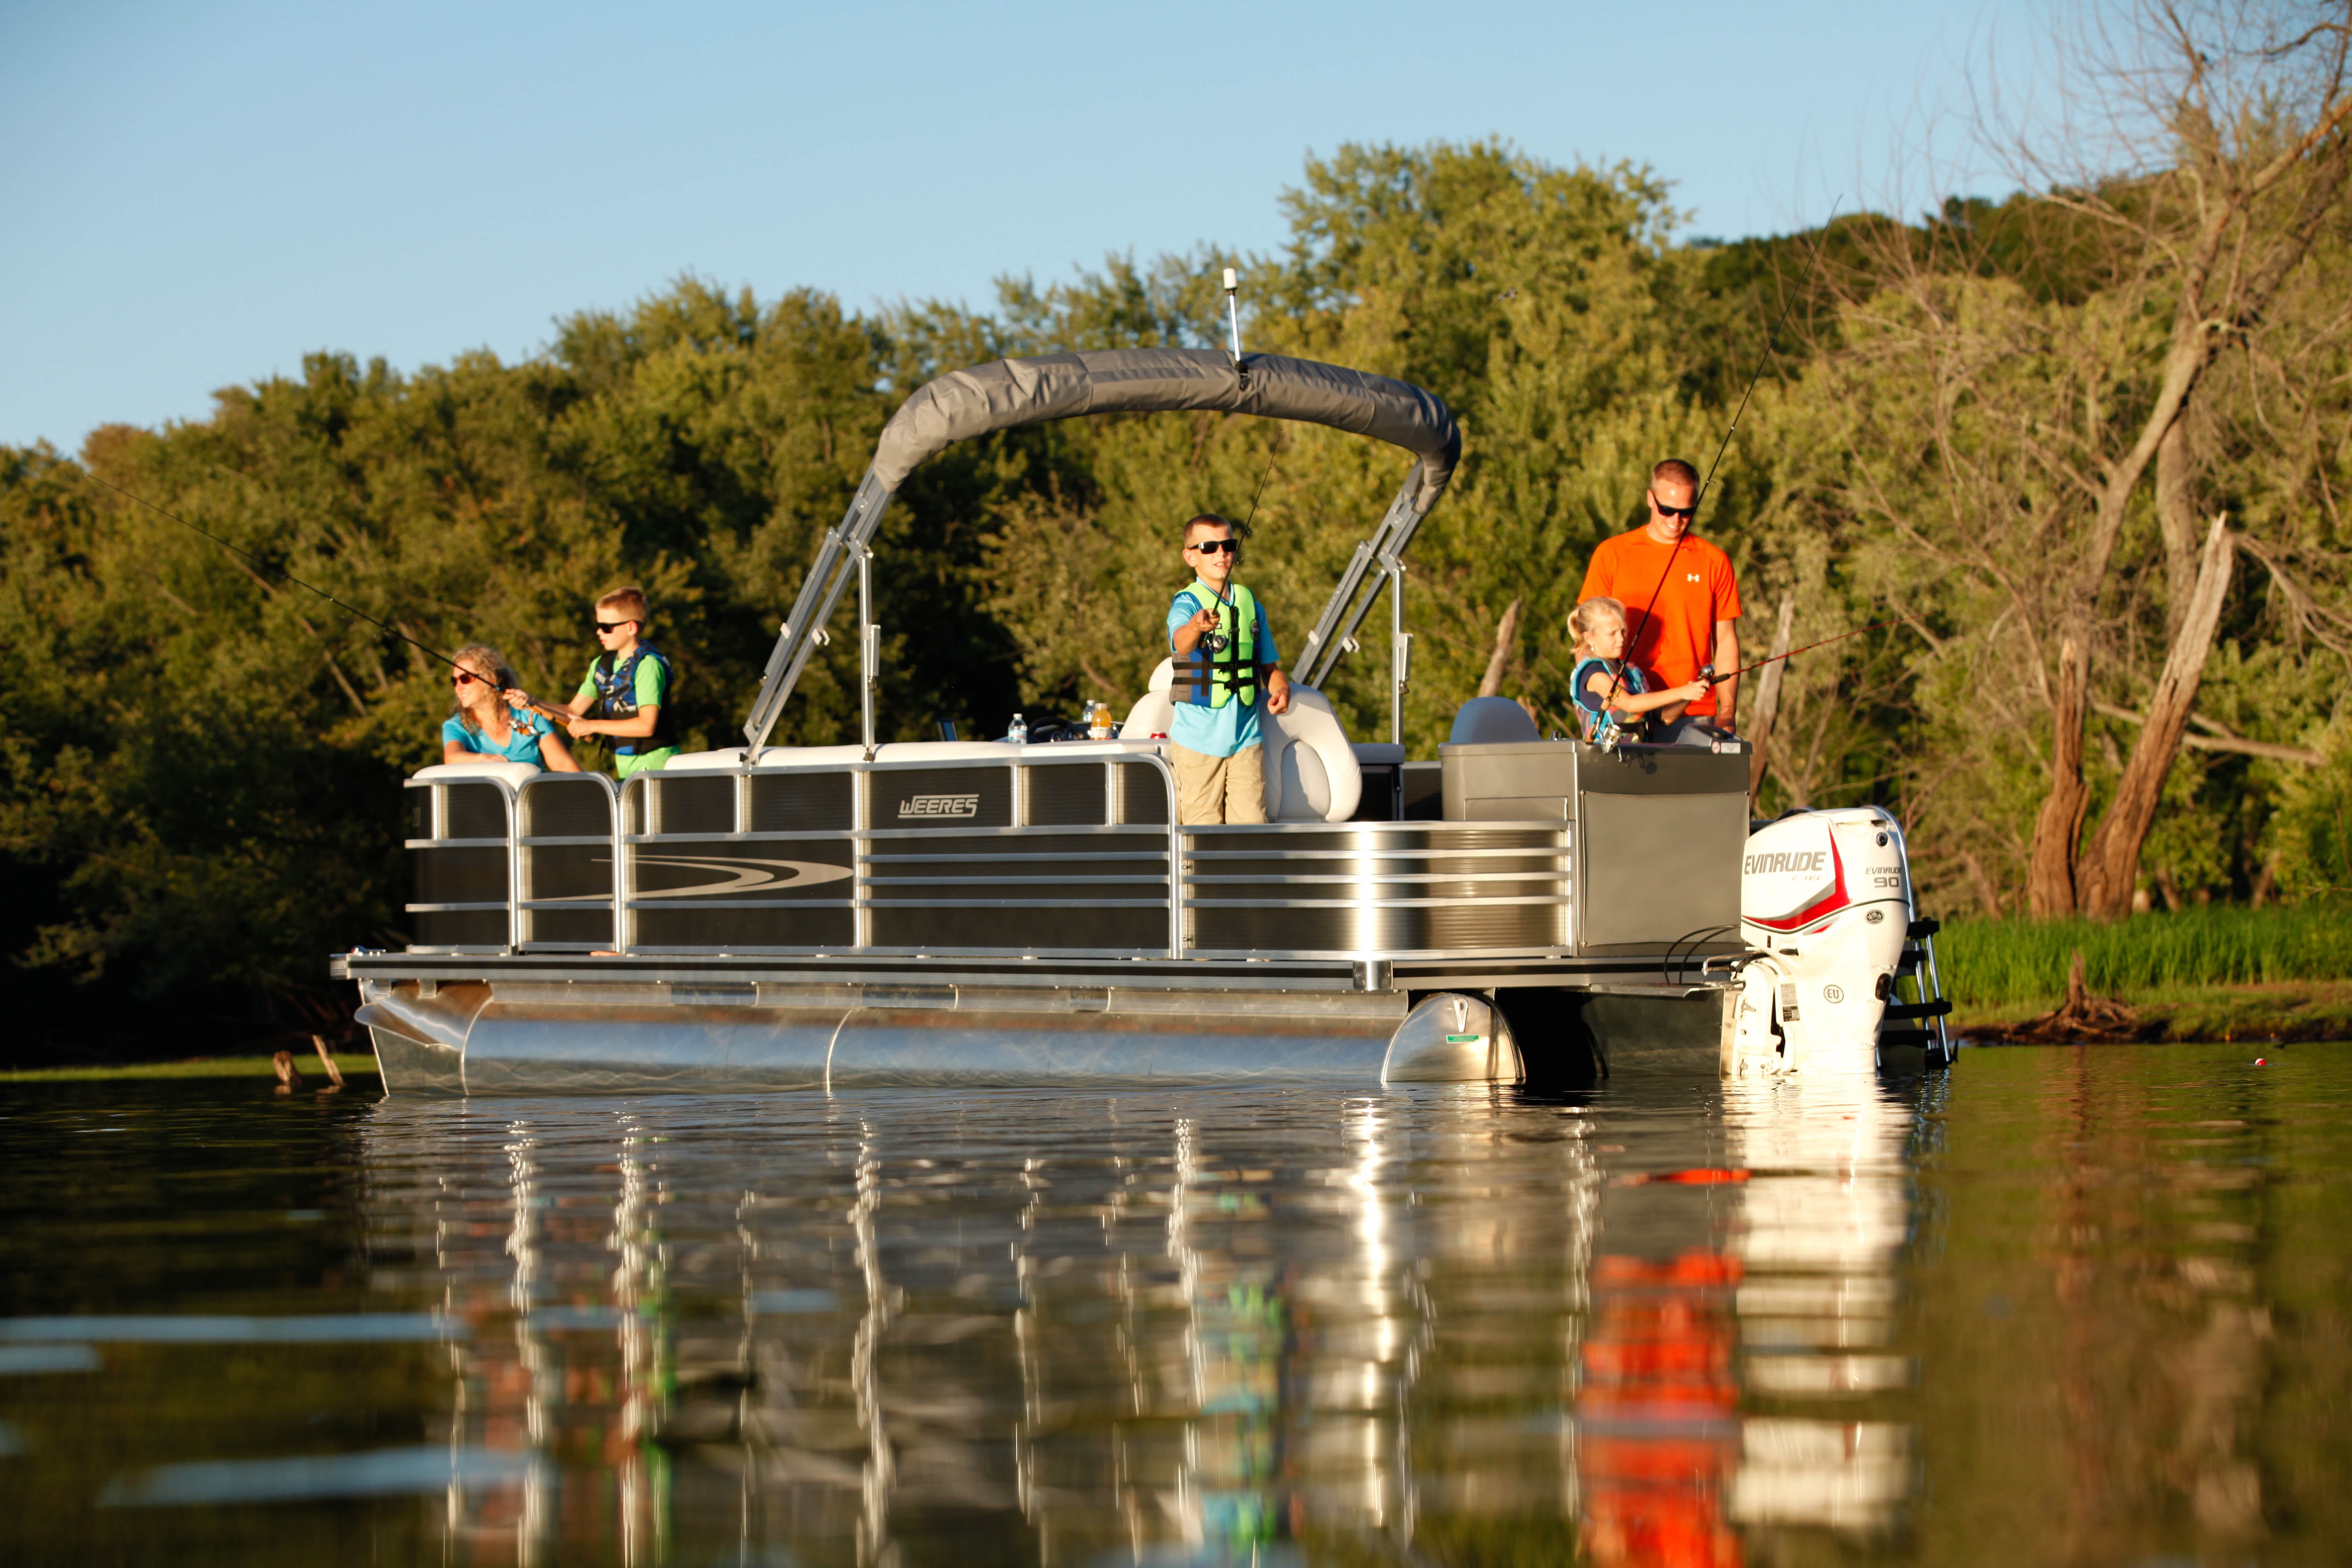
[288,576]
[1775,658]
[1219,594]
[1271,458]
[1771,349]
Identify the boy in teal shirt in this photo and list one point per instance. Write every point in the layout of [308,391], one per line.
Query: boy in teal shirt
[626,695]
[1224,658]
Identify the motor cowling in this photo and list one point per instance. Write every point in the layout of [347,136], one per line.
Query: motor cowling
[1825,901]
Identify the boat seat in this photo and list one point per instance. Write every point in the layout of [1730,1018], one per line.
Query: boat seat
[1311,774]
[1155,710]
[1492,721]
[504,769]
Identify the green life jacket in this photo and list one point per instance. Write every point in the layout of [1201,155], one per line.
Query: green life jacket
[1222,666]
[616,698]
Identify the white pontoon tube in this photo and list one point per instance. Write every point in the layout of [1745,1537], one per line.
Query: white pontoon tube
[1008,394]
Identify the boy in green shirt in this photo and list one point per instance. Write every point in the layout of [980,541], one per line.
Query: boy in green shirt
[626,695]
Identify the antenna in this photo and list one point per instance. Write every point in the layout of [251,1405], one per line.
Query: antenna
[1234,315]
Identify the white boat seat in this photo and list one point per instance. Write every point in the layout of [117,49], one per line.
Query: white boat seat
[1155,710]
[504,769]
[1310,771]
[1311,774]
[1492,721]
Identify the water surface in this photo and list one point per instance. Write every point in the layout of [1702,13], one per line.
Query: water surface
[2059,1306]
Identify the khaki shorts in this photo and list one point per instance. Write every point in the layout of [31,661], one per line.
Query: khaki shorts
[1220,789]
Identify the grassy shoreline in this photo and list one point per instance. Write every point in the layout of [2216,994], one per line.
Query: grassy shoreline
[2279,1011]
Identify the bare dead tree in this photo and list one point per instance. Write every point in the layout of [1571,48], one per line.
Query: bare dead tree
[2207,142]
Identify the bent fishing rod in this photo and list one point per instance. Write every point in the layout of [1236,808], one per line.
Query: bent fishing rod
[431,653]
[1771,349]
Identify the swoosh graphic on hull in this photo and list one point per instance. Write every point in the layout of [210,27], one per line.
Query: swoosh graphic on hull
[746,876]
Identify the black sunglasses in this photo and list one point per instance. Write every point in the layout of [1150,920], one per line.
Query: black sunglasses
[1684,512]
[1219,546]
[462,677]
[612,626]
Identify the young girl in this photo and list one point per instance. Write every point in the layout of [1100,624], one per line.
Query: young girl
[483,725]
[1598,628]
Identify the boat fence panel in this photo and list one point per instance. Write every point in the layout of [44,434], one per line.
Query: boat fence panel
[564,845]
[461,858]
[738,863]
[1395,888]
[1027,853]
[1045,852]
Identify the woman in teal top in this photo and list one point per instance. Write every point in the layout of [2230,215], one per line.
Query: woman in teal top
[483,725]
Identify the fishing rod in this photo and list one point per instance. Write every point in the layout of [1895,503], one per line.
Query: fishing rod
[1271,458]
[348,609]
[1771,349]
[1219,594]
[1708,675]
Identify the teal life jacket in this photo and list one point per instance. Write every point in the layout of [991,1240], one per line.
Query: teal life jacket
[1222,666]
[1601,726]
[616,698]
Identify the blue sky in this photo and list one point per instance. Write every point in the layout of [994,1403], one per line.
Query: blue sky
[199,193]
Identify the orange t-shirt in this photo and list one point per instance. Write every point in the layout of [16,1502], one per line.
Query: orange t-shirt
[1699,590]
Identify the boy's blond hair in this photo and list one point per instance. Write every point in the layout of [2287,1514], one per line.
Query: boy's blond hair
[1587,616]
[630,602]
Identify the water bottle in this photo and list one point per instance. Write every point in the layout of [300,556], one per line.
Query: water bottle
[1019,733]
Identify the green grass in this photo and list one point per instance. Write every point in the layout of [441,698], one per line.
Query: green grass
[1991,964]
[358,1064]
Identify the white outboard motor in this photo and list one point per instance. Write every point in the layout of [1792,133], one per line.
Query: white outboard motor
[1825,901]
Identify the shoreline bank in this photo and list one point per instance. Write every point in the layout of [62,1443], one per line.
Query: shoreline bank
[2276,1012]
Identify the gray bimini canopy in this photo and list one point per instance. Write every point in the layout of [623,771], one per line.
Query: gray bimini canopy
[1010,393]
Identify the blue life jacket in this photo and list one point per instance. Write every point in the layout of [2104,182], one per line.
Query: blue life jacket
[1222,666]
[616,698]
[1601,727]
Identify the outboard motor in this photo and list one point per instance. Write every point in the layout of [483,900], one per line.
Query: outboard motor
[1825,901]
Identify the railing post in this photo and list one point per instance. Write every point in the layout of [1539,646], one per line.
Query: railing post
[1400,649]
[869,646]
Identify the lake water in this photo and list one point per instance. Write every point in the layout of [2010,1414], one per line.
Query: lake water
[2058,1306]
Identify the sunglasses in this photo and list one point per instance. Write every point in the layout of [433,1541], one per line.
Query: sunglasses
[464,677]
[1684,512]
[610,626]
[1218,546]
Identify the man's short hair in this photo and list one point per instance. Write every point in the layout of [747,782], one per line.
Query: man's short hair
[1210,519]
[628,603]
[1674,468]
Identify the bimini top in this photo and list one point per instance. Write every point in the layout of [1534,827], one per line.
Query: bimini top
[1008,393]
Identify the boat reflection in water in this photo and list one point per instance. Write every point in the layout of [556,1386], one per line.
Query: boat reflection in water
[1741,1312]
[1230,1326]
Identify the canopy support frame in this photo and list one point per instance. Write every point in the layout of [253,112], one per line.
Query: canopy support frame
[803,630]
[1378,558]
[1400,649]
[1008,394]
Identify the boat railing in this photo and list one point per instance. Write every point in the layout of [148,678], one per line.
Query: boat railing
[1068,850]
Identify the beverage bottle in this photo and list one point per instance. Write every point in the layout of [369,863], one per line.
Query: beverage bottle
[1098,721]
[1019,733]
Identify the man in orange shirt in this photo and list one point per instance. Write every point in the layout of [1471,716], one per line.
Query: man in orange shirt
[1688,587]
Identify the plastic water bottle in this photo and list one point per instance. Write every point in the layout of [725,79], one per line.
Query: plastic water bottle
[1019,733]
